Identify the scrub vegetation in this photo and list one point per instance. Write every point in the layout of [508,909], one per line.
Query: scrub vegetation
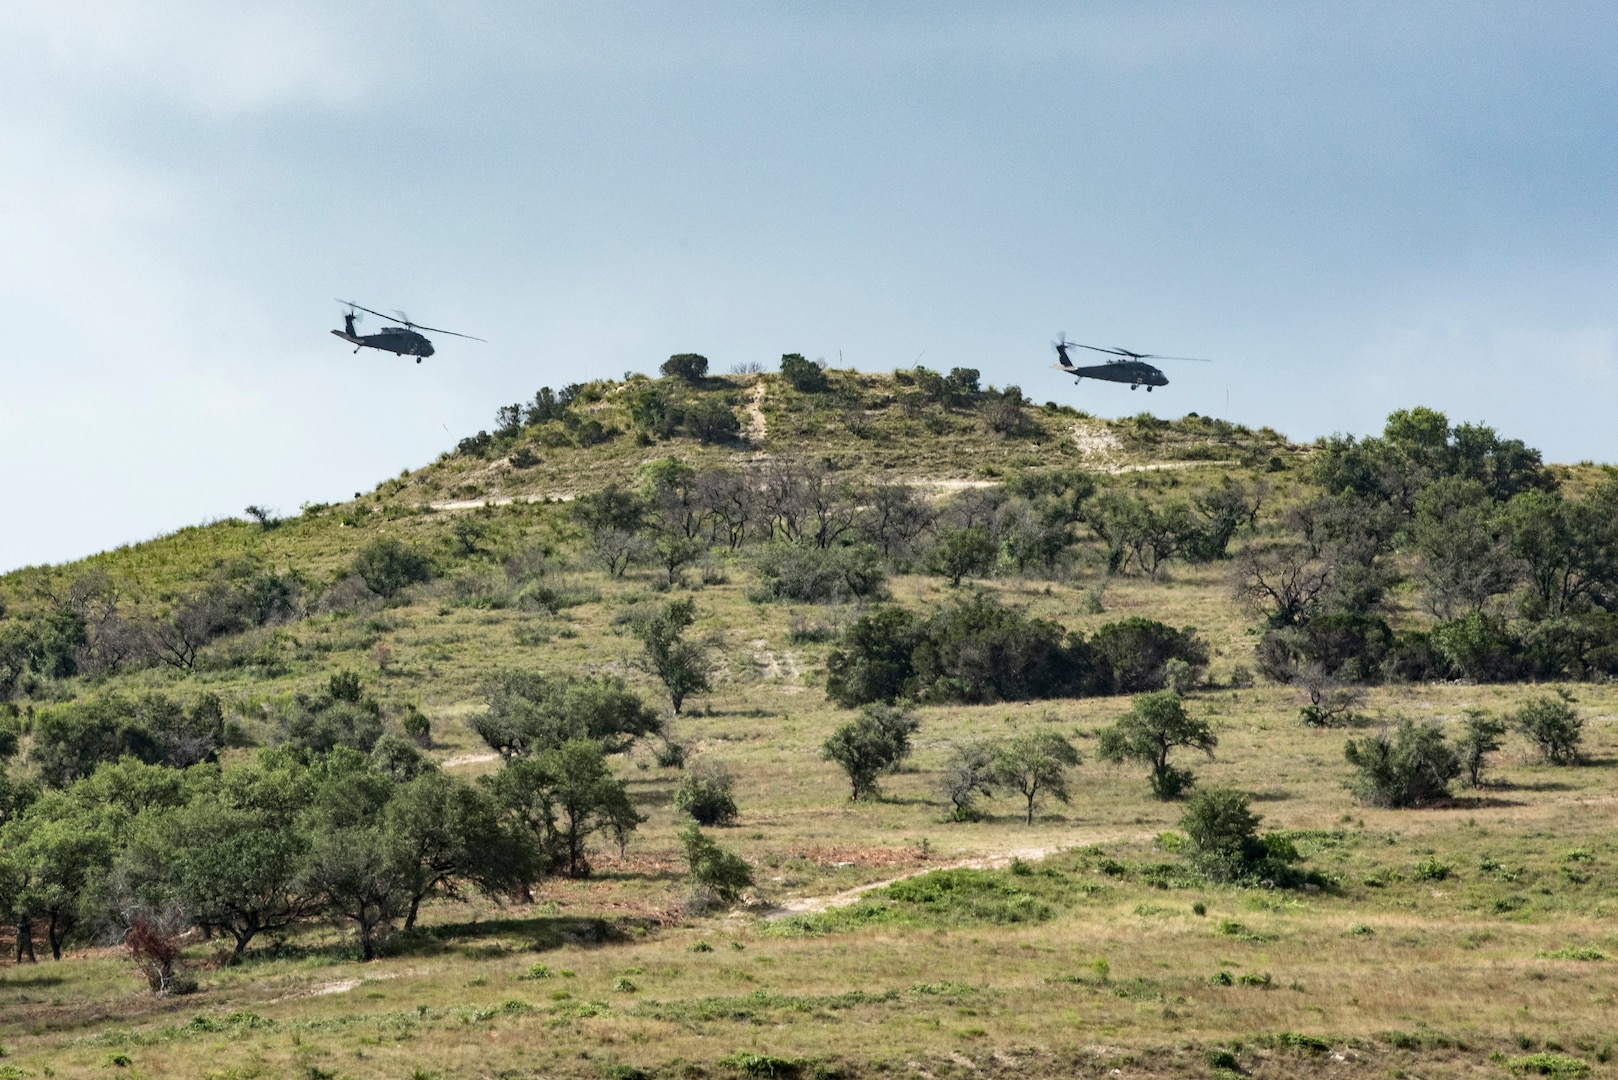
[818,723]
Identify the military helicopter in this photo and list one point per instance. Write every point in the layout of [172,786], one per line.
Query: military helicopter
[401,340]
[1126,366]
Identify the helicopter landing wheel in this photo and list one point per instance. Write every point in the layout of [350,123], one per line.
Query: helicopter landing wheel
[1134,386]
[418,359]
[1148,389]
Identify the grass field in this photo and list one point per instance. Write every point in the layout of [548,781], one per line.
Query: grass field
[1477,938]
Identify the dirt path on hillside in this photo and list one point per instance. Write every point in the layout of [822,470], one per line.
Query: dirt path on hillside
[757,429]
[993,860]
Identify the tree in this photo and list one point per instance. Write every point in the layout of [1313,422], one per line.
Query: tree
[1155,725]
[1223,833]
[960,553]
[530,712]
[1554,726]
[387,566]
[57,850]
[72,740]
[870,746]
[969,772]
[687,366]
[1481,739]
[1464,557]
[1412,768]
[712,868]
[805,376]
[1035,764]
[562,796]
[1136,651]
[236,867]
[705,792]
[443,833]
[873,660]
[681,665]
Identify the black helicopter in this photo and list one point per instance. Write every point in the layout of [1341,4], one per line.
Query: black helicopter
[401,340]
[1126,366]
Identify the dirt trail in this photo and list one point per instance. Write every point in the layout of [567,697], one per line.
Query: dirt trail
[756,427]
[801,905]
[466,759]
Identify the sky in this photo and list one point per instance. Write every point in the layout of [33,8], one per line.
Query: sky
[1352,207]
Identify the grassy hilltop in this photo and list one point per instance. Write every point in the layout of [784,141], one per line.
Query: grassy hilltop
[986,570]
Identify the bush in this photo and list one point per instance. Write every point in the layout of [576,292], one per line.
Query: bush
[868,747]
[705,794]
[1412,768]
[688,366]
[1552,725]
[1223,833]
[387,566]
[873,662]
[1137,652]
[1478,646]
[712,868]
[530,712]
[1482,738]
[979,651]
[711,420]
[813,574]
[805,376]
[417,726]
[961,553]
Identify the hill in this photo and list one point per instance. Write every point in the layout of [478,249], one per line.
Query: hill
[403,725]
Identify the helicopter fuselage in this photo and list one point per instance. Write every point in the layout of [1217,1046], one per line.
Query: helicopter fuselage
[1134,372]
[393,339]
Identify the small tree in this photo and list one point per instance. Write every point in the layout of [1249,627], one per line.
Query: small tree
[1154,726]
[1554,726]
[1036,764]
[1223,833]
[1413,767]
[805,376]
[687,366]
[969,772]
[713,869]
[1482,738]
[387,566]
[870,746]
[154,944]
[682,665]
[1331,702]
[705,794]
[962,553]
[265,517]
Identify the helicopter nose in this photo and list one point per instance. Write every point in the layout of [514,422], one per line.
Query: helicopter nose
[426,348]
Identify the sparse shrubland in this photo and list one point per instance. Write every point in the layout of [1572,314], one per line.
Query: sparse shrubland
[444,732]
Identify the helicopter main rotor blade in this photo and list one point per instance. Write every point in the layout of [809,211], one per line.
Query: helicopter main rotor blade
[362,307]
[1098,348]
[1193,359]
[451,333]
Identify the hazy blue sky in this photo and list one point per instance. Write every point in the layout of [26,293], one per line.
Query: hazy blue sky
[1355,206]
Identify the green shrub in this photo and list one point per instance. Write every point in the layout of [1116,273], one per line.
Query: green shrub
[1546,1064]
[805,376]
[1222,833]
[811,574]
[960,553]
[705,794]
[1136,652]
[1430,869]
[711,867]
[1412,768]
[387,566]
[1553,726]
